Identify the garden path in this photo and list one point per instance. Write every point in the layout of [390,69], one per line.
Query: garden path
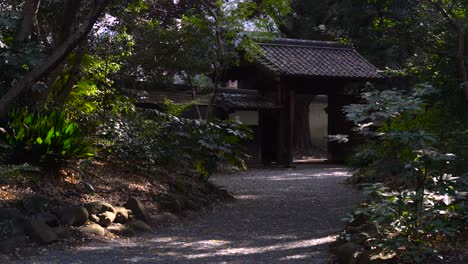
[280,216]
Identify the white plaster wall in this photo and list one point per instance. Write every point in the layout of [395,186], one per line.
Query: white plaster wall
[246,117]
[318,122]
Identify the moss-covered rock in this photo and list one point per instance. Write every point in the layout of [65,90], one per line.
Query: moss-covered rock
[121,230]
[99,208]
[121,215]
[40,232]
[106,218]
[92,230]
[138,209]
[139,225]
[74,216]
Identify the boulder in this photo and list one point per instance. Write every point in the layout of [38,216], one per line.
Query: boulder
[121,215]
[40,232]
[94,218]
[172,206]
[63,232]
[131,216]
[348,253]
[99,208]
[48,218]
[106,218]
[138,209]
[92,230]
[139,225]
[165,218]
[74,216]
[121,230]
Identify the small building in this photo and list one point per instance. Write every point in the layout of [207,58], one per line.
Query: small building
[291,95]
[244,105]
[292,74]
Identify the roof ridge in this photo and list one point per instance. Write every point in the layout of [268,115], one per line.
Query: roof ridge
[308,46]
[305,43]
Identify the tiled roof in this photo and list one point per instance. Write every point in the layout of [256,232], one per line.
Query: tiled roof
[307,58]
[239,99]
[180,97]
[227,99]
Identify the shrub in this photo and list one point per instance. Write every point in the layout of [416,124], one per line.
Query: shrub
[155,139]
[44,139]
[419,209]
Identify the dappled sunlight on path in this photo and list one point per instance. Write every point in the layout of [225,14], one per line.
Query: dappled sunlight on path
[280,216]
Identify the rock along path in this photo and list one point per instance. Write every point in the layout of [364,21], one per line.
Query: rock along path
[280,216]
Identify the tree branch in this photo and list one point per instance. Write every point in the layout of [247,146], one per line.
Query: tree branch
[27,21]
[54,59]
[451,19]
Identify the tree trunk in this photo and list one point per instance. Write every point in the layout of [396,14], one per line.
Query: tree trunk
[461,60]
[27,20]
[71,10]
[59,54]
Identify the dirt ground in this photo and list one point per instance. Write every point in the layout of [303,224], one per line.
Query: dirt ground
[279,216]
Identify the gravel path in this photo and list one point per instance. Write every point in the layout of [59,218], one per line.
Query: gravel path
[280,216]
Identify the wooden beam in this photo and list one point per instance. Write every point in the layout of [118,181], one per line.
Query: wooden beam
[290,133]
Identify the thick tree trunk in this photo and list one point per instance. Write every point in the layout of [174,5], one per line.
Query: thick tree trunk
[59,54]
[461,60]
[27,20]
[71,10]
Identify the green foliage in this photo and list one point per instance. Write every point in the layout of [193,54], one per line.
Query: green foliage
[411,223]
[387,118]
[194,37]
[45,139]
[407,149]
[175,109]
[93,104]
[156,140]
[15,59]
[94,100]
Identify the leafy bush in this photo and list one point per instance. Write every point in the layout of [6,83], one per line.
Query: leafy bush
[93,104]
[419,209]
[155,139]
[385,119]
[411,224]
[45,139]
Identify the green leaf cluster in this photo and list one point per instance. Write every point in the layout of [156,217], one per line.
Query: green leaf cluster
[418,166]
[156,140]
[44,138]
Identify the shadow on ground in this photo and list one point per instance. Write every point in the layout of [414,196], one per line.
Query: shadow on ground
[280,216]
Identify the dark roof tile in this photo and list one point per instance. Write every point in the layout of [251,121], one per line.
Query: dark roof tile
[288,57]
[239,99]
